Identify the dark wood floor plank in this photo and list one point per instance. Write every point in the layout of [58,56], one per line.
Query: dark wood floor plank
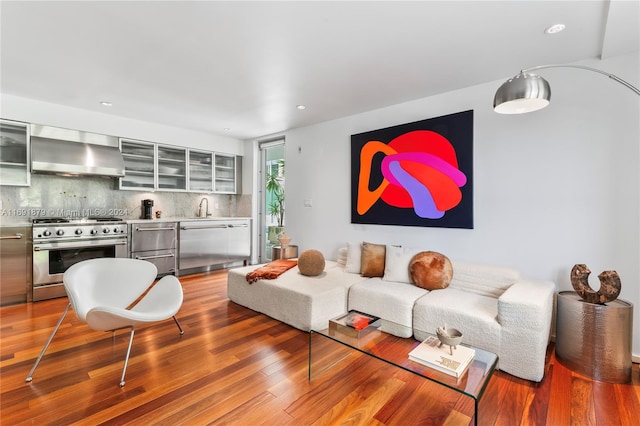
[582,407]
[627,399]
[559,412]
[236,366]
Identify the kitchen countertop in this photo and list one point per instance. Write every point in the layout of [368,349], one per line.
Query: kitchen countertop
[186,219]
[13,221]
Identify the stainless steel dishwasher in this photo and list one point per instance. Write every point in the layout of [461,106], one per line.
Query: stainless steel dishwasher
[156,243]
[203,246]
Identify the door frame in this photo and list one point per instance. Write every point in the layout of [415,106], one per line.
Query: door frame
[263,146]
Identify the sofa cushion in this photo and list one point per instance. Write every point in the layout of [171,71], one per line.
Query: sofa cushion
[396,263]
[431,270]
[474,315]
[390,301]
[484,280]
[372,260]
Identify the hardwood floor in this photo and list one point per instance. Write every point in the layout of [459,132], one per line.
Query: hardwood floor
[235,366]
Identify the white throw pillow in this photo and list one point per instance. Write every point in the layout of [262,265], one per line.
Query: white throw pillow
[396,267]
[354,255]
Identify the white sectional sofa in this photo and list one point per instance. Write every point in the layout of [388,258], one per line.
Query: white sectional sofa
[496,310]
[388,300]
[494,307]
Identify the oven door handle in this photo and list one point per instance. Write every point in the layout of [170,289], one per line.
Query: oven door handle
[155,229]
[155,257]
[74,246]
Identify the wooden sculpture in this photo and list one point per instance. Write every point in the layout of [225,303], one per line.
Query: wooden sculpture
[609,285]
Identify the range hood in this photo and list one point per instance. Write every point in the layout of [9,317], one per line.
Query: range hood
[73,152]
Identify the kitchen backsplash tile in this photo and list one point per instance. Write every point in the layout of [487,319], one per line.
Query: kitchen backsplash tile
[51,195]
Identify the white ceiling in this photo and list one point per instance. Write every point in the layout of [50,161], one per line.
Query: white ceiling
[210,65]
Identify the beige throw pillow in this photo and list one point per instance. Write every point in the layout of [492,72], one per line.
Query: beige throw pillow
[372,260]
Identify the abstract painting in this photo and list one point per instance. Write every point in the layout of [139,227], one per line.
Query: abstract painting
[415,174]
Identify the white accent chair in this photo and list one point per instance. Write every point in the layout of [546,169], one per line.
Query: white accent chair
[114,293]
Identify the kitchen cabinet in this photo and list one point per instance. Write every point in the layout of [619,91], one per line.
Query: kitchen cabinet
[205,245]
[172,168]
[239,239]
[14,153]
[149,166]
[139,165]
[15,264]
[200,171]
[227,174]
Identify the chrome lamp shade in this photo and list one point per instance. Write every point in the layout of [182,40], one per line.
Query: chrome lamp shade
[523,93]
[528,92]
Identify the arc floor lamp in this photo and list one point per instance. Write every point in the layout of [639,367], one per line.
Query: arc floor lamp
[527,92]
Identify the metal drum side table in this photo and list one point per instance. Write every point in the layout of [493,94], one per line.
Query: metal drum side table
[595,340]
[277,252]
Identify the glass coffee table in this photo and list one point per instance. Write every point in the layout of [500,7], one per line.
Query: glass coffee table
[324,354]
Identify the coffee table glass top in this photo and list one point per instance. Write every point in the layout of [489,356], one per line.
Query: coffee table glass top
[395,350]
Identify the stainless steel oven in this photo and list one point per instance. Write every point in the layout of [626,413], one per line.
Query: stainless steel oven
[60,243]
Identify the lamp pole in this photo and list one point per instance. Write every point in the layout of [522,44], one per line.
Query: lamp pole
[582,67]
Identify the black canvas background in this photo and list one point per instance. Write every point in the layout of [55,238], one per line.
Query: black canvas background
[458,129]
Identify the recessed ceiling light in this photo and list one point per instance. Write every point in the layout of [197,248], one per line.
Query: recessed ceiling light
[226,129]
[106,103]
[301,107]
[554,29]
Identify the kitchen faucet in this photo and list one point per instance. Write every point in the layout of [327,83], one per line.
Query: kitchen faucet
[206,212]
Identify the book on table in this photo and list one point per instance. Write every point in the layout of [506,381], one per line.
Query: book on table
[436,356]
[354,324]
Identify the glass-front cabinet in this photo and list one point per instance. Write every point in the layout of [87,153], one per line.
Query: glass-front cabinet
[225,177]
[172,168]
[151,166]
[139,165]
[200,171]
[14,153]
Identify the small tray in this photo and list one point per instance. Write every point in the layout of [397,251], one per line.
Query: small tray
[350,324]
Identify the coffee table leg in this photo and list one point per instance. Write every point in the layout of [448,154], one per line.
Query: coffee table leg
[475,411]
[309,358]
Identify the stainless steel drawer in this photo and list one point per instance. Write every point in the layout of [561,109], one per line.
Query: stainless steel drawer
[153,236]
[165,260]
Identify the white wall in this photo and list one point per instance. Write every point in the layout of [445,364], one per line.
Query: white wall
[33,111]
[552,188]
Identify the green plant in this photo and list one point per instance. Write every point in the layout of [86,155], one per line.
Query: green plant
[275,186]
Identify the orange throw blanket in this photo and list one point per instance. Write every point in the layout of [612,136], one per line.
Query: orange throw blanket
[271,270]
